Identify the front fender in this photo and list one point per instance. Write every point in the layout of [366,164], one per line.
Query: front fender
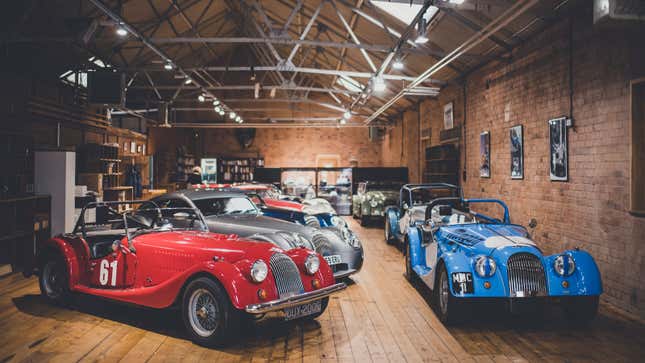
[456,261]
[585,280]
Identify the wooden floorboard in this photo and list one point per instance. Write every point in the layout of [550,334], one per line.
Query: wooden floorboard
[379,318]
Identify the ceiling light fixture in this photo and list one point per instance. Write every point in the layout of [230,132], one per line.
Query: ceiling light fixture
[238,119]
[215,102]
[218,109]
[398,63]
[222,113]
[188,81]
[231,115]
[422,36]
[120,31]
[347,115]
[379,84]
[167,66]
[201,98]
[342,121]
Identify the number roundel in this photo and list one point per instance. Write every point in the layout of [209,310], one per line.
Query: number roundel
[108,268]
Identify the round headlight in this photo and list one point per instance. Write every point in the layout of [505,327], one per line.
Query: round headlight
[312,263]
[259,271]
[564,265]
[337,221]
[373,203]
[485,266]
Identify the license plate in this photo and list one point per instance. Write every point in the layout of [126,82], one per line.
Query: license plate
[299,311]
[333,260]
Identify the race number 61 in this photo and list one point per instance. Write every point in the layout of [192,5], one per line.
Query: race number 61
[107,269]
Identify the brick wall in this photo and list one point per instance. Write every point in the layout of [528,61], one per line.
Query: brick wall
[590,210]
[401,147]
[284,147]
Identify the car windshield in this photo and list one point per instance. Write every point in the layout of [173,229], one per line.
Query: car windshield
[225,206]
[421,196]
[118,217]
[382,187]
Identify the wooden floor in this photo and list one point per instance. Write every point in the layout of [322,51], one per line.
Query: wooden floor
[380,318]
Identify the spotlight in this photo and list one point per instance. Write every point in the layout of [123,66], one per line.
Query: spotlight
[218,109]
[120,31]
[422,36]
[398,64]
[379,84]
[343,121]
[167,66]
[222,113]
[347,115]
[238,119]
[188,81]
[201,98]
[231,115]
[215,102]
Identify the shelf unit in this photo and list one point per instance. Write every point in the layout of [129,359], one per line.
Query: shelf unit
[100,159]
[26,222]
[235,170]
[442,164]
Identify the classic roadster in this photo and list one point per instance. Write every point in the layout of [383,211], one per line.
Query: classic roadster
[230,211]
[465,256]
[372,198]
[160,257]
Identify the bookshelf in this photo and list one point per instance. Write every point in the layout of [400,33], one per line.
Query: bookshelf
[235,170]
[442,164]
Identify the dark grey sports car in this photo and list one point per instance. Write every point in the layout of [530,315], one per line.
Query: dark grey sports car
[231,212]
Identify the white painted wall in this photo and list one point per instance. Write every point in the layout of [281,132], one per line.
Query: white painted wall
[55,174]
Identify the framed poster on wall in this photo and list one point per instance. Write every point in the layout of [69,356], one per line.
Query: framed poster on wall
[448,121]
[517,152]
[484,154]
[559,163]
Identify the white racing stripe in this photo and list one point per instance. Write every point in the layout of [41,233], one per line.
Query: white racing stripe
[505,241]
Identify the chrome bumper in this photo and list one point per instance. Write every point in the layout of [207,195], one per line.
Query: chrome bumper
[295,300]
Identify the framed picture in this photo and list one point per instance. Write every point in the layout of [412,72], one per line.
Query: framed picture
[484,154]
[559,163]
[448,121]
[517,152]
[133,147]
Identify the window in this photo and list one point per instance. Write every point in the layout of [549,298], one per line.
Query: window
[404,11]
[637,154]
[69,77]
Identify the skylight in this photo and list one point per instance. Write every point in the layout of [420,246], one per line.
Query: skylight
[350,84]
[70,76]
[404,12]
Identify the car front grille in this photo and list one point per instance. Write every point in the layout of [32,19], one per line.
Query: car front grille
[286,275]
[526,275]
[312,221]
[322,243]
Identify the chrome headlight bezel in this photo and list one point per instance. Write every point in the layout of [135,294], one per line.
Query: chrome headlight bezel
[485,266]
[564,261]
[312,264]
[337,221]
[373,203]
[259,271]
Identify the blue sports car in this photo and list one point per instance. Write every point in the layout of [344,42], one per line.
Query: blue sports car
[464,256]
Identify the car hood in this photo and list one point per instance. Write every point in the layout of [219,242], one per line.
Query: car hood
[318,206]
[489,239]
[196,242]
[249,224]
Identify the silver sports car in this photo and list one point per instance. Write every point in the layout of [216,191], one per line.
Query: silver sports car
[230,212]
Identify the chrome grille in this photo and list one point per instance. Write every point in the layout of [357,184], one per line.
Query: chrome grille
[322,241]
[312,221]
[286,275]
[526,275]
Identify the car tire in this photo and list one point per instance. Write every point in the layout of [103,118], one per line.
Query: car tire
[410,275]
[54,280]
[324,303]
[389,239]
[582,309]
[209,317]
[445,304]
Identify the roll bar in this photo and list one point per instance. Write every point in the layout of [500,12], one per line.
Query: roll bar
[507,216]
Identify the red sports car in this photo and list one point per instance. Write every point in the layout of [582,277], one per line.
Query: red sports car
[163,257]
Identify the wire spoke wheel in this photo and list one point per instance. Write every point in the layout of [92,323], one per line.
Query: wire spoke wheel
[204,312]
[444,293]
[53,279]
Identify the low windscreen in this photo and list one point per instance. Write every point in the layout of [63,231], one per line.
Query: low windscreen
[383,186]
[426,195]
[225,205]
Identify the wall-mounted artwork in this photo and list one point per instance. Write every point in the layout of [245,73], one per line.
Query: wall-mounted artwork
[484,154]
[517,152]
[448,122]
[559,168]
